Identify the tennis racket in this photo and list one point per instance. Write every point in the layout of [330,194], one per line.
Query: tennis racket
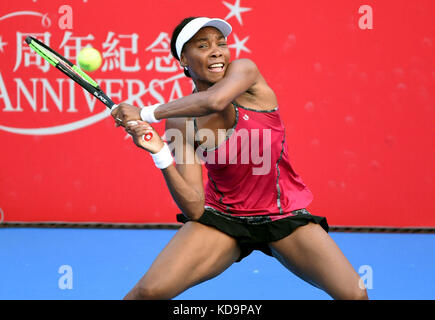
[74,72]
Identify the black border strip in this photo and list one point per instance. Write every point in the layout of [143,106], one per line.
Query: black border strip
[174,226]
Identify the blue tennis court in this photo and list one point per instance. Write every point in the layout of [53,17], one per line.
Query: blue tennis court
[95,264]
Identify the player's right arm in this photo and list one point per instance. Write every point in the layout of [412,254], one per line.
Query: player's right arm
[184,179]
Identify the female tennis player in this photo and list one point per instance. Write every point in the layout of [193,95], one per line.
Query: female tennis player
[247,204]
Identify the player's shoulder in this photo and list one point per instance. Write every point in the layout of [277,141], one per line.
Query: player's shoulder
[244,63]
[243,67]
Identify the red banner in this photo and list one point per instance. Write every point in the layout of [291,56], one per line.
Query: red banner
[355,85]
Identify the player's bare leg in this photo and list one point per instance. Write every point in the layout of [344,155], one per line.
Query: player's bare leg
[310,253]
[196,253]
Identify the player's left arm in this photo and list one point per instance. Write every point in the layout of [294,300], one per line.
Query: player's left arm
[241,75]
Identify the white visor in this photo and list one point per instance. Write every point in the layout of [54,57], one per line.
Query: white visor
[193,27]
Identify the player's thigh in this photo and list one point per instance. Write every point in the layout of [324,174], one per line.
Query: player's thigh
[196,253]
[312,254]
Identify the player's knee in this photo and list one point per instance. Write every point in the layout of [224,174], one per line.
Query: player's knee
[352,291]
[362,295]
[357,294]
[154,292]
[148,291]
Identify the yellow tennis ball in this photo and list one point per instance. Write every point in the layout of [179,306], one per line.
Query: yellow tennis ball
[89,59]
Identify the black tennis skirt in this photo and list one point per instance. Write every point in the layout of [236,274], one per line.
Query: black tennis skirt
[254,233]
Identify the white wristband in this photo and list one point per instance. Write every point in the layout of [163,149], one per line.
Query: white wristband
[147,113]
[163,158]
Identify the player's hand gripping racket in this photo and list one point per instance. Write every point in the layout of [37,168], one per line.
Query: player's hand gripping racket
[74,72]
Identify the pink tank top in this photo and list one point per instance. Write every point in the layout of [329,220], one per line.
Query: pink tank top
[250,173]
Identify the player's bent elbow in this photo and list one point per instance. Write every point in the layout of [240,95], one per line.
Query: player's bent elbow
[194,213]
